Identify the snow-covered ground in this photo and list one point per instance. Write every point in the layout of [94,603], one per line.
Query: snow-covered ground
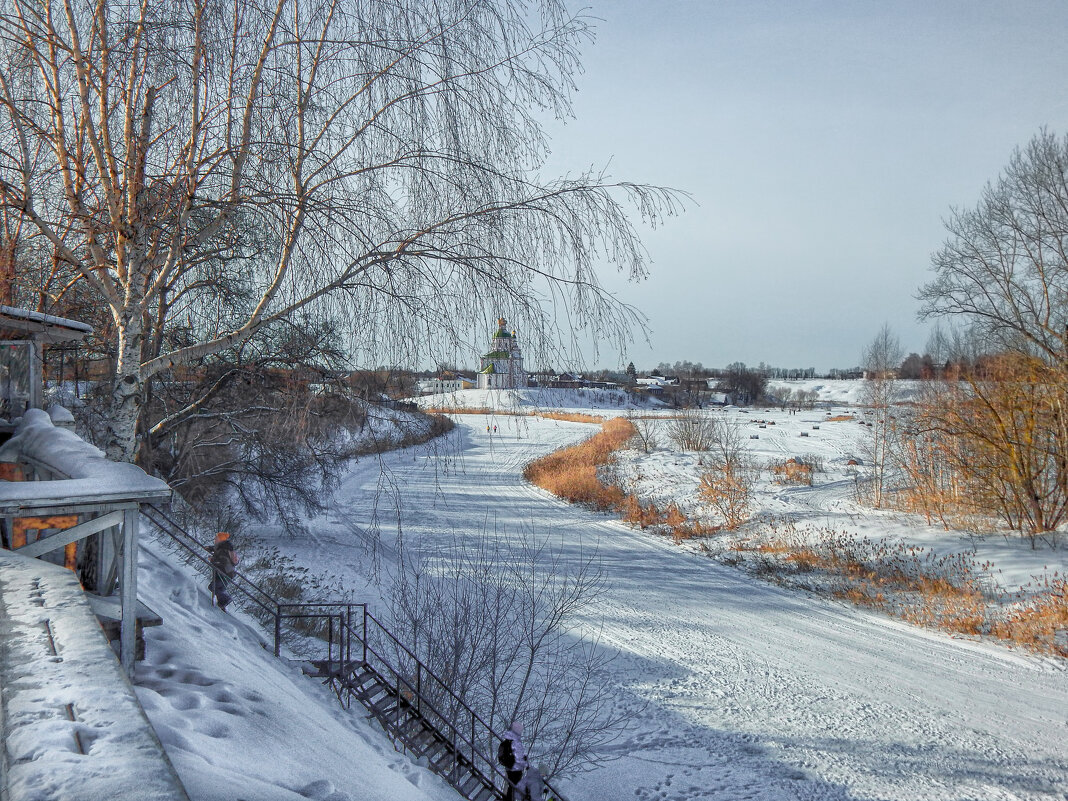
[535,399]
[240,725]
[669,476]
[735,688]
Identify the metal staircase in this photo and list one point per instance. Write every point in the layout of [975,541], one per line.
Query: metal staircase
[365,662]
[403,717]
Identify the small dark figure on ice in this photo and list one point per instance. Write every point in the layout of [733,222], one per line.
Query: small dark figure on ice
[224,561]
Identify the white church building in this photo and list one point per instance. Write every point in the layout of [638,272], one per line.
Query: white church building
[502,367]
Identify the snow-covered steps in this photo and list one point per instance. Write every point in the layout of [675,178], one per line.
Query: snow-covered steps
[70,723]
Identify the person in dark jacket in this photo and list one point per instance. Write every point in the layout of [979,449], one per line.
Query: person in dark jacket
[224,561]
[513,757]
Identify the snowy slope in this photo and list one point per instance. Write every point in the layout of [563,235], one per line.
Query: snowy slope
[535,398]
[240,725]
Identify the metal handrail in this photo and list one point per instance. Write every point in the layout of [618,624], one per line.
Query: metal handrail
[280,611]
[250,589]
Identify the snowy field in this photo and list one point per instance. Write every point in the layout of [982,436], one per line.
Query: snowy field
[604,401]
[736,689]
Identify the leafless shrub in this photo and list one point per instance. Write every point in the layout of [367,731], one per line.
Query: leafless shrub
[693,430]
[496,618]
[729,490]
[646,431]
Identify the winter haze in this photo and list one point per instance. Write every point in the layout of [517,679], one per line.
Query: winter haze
[822,143]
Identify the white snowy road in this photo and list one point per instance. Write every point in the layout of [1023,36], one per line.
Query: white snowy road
[738,689]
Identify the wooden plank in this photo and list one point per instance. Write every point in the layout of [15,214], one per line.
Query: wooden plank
[73,534]
[128,587]
[50,496]
[108,607]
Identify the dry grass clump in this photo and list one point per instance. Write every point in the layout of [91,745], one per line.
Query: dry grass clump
[729,490]
[571,417]
[1041,621]
[913,584]
[840,418]
[792,471]
[632,511]
[571,473]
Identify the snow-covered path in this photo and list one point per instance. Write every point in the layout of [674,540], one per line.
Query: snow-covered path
[738,689]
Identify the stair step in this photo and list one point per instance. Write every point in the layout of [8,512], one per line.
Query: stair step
[421,734]
[376,694]
[474,781]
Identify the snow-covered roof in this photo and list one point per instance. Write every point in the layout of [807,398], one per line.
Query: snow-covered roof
[42,327]
[37,440]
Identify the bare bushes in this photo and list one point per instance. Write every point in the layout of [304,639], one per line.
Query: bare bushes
[983,444]
[646,431]
[728,485]
[693,430]
[729,490]
[571,473]
[793,471]
[496,618]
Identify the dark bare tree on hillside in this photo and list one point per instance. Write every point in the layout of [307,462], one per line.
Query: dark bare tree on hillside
[213,168]
[500,620]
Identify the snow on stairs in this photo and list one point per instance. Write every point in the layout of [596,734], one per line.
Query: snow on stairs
[401,718]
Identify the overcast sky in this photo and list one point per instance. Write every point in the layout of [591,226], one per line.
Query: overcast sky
[822,142]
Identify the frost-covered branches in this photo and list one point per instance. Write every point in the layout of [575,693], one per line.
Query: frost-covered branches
[209,169]
[497,618]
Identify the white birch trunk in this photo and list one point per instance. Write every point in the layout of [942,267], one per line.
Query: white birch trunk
[126,395]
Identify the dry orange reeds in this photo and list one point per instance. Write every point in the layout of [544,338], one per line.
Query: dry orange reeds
[916,585]
[1041,623]
[792,471]
[571,473]
[571,417]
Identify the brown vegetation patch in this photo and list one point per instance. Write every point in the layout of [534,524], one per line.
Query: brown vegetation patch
[571,417]
[840,418]
[913,584]
[571,473]
[792,471]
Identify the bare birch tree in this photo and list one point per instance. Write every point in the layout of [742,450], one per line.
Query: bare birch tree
[217,166]
[1003,271]
[880,359]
